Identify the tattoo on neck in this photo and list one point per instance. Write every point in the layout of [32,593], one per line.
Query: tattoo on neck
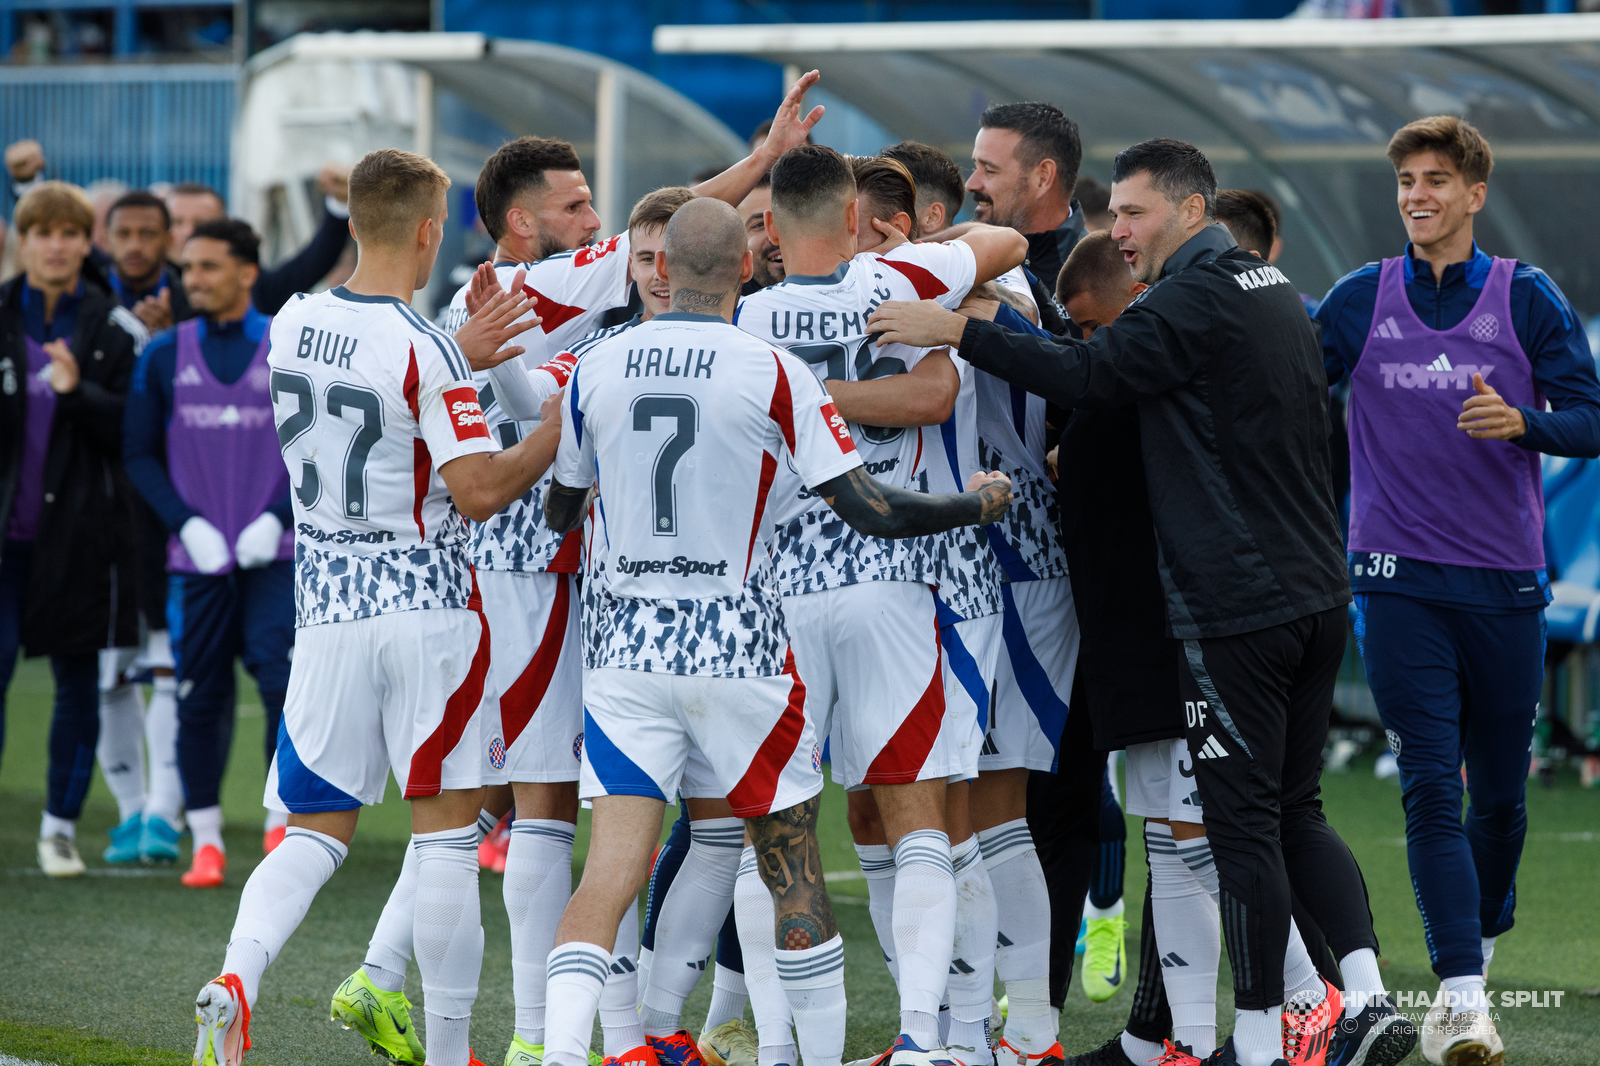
[698,302]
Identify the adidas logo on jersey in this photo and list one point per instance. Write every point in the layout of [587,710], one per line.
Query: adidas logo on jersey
[1441,363]
[1389,328]
[188,376]
[1212,749]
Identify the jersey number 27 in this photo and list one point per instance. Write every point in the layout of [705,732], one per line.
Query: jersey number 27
[340,398]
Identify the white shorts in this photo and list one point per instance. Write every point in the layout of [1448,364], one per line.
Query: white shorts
[1033,680]
[874,674]
[639,730]
[401,692]
[536,673]
[1161,782]
[971,651]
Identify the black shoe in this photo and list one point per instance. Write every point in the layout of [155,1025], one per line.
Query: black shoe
[1224,1056]
[1378,1036]
[1108,1054]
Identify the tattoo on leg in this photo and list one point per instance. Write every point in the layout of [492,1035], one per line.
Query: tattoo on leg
[791,867]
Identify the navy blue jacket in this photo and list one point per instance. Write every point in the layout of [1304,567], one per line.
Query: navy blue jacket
[228,348]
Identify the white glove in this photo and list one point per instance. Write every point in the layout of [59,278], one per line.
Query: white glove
[258,542]
[206,545]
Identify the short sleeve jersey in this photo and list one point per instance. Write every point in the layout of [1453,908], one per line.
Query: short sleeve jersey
[822,321]
[571,291]
[683,422]
[1012,439]
[370,400]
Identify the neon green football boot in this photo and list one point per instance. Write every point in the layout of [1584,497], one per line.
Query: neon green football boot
[1105,958]
[383,1019]
[522,1053]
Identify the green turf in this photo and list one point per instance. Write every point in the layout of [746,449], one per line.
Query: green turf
[103,970]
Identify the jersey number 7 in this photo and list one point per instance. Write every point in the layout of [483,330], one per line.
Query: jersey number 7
[339,397]
[662,494]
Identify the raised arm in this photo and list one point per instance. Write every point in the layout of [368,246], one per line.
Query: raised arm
[996,248]
[880,510]
[789,128]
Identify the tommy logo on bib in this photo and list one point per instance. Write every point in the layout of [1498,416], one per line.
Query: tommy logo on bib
[1440,374]
[466,415]
[841,429]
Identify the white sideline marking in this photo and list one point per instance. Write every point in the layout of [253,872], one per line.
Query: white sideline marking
[7,1060]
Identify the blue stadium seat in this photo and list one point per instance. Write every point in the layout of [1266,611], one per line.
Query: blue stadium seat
[1572,547]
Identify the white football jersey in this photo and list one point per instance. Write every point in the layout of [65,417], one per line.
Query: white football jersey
[370,399]
[684,420]
[968,574]
[822,321]
[1012,439]
[571,292]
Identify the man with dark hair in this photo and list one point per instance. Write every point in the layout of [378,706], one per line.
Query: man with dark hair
[1250,220]
[1249,545]
[537,205]
[1095,199]
[1024,166]
[940,186]
[1452,355]
[191,203]
[864,620]
[139,238]
[768,269]
[219,486]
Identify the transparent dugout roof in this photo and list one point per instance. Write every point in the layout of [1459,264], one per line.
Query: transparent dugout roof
[1301,109]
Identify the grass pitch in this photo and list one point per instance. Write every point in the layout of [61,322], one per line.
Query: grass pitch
[102,970]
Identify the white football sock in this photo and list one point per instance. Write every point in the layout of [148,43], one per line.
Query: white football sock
[1140,1051]
[575,976]
[1466,993]
[813,981]
[1196,855]
[619,1019]
[1362,981]
[1022,957]
[877,862]
[164,795]
[486,824]
[693,911]
[1258,1036]
[757,920]
[206,825]
[924,929]
[120,749]
[388,980]
[1303,987]
[51,826]
[1187,937]
[971,978]
[537,886]
[728,997]
[1488,954]
[275,900]
[1091,911]
[390,947]
[448,938]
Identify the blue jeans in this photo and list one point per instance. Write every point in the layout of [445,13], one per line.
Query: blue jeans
[1453,687]
[75,723]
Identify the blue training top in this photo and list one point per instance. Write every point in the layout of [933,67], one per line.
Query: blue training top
[229,348]
[1553,337]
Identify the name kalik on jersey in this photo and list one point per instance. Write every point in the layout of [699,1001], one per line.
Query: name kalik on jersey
[369,400]
[571,291]
[684,422]
[822,321]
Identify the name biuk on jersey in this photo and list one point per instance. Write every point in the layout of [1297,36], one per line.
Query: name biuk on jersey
[822,321]
[370,400]
[571,291]
[685,420]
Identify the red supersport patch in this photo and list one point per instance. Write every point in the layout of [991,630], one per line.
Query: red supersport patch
[466,417]
[598,250]
[839,427]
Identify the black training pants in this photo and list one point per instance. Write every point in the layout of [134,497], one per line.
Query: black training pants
[1257,708]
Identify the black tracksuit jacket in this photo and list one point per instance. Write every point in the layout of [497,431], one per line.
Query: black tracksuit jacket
[1226,370]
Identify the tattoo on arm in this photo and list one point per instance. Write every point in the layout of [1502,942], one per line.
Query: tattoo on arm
[791,867]
[880,510]
[698,302]
[564,507]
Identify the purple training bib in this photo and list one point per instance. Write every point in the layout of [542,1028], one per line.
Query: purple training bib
[222,446]
[29,498]
[1419,487]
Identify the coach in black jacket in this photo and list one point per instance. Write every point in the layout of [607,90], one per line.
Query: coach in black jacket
[1222,362]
